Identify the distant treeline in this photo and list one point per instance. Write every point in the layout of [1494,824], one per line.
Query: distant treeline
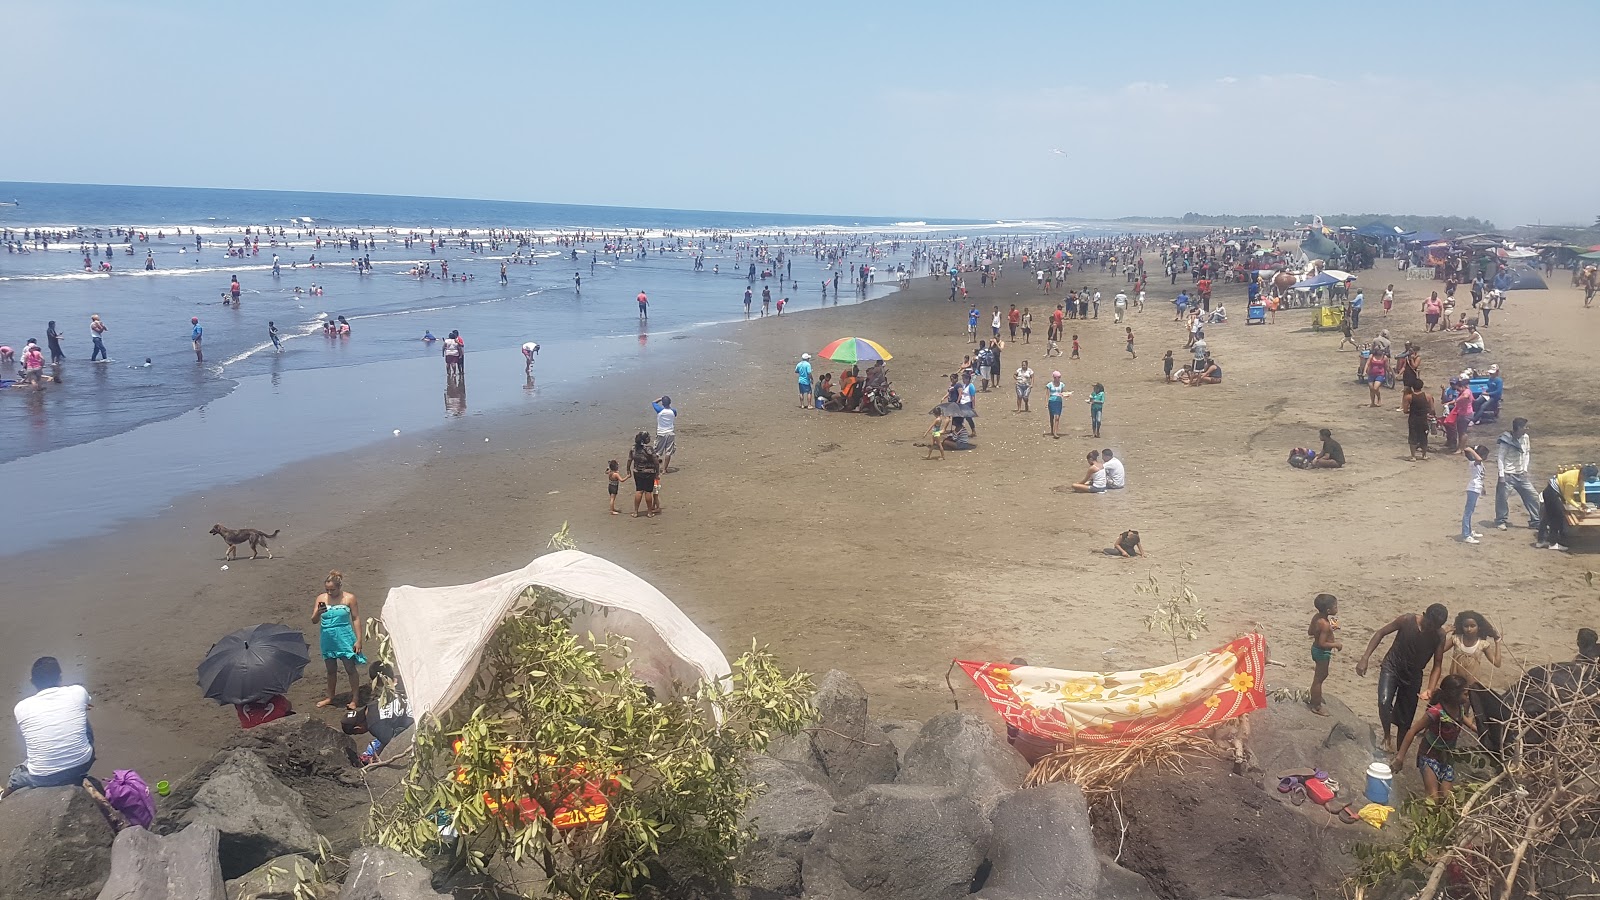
[1464,224]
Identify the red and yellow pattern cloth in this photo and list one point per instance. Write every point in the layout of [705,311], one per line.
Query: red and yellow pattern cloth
[1116,707]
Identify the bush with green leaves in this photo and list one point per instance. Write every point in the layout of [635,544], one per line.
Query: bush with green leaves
[554,717]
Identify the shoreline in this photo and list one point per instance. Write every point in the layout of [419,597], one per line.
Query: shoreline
[828,535]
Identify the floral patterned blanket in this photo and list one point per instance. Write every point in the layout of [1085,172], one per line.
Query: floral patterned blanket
[1122,707]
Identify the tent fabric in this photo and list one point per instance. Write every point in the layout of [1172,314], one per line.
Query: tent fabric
[1521,279]
[1378,230]
[1315,246]
[439,633]
[1338,275]
[1319,281]
[1422,237]
[1124,707]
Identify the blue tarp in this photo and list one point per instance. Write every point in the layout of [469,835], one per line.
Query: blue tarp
[1378,230]
[1321,279]
[1422,237]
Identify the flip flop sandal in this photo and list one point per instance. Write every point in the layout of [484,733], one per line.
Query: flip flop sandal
[1287,784]
[1332,785]
[1298,796]
[1347,815]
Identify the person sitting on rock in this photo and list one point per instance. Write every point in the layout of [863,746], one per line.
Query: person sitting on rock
[55,732]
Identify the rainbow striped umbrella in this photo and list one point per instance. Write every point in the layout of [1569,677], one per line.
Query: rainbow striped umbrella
[853,350]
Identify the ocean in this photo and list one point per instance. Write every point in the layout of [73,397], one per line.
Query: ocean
[156,431]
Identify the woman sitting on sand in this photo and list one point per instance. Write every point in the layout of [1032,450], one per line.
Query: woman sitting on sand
[1207,371]
[340,621]
[1094,481]
[1473,343]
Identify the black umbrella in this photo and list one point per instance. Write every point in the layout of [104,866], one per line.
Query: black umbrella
[954,410]
[253,664]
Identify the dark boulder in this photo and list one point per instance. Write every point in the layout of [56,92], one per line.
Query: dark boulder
[276,879]
[1042,847]
[849,748]
[788,811]
[258,816]
[377,873]
[1205,832]
[897,842]
[300,747]
[963,751]
[1287,736]
[183,866]
[55,844]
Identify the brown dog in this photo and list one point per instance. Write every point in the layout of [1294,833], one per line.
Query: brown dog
[236,536]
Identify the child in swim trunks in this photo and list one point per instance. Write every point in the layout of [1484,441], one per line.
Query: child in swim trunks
[613,483]
[1440,730]
[1322,646]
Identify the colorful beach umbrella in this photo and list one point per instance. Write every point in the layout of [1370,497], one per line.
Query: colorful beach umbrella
[853,350]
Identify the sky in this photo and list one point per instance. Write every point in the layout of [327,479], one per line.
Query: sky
[925,109]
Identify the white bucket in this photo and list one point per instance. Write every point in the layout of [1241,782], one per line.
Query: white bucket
[1380,781]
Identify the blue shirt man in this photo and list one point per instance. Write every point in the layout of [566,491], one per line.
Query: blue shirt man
[802,372]
[1182,302]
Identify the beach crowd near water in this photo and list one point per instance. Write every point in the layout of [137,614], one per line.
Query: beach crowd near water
[1152,463]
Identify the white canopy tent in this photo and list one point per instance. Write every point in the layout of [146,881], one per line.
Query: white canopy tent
[439,633]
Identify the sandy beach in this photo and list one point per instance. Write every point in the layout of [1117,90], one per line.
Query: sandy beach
[830,537]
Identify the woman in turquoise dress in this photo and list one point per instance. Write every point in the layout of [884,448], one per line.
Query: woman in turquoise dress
[340,620]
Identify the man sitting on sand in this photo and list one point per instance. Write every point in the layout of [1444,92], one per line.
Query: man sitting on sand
[55,732]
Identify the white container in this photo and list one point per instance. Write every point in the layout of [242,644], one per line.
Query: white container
[1380,782]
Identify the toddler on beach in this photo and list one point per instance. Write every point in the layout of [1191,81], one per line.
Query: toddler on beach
[613,483]
[1074,347]
[1323,624]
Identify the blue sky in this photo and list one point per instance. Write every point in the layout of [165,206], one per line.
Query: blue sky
[900,109]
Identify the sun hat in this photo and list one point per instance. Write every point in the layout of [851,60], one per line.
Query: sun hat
[1055,374]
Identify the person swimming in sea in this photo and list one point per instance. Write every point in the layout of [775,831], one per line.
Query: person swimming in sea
[428,338]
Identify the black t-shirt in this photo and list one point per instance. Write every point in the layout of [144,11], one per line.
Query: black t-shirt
[1332,450]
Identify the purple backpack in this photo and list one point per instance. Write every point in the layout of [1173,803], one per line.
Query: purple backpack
[129,795]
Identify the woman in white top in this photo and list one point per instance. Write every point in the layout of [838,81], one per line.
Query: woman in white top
[1470,651]
[1094,481]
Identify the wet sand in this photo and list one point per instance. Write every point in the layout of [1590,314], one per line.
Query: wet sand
[830,537]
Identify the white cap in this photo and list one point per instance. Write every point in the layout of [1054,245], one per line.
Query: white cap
[805,356]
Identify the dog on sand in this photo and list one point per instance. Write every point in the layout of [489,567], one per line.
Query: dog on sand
[255,537]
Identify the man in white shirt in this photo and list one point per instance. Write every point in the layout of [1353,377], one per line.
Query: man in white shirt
[1119,305]
[1514,455]
[666,430]
[55,732]
[1116,475]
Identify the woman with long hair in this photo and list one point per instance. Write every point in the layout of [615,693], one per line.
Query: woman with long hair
[1440,731]
[1470,651]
